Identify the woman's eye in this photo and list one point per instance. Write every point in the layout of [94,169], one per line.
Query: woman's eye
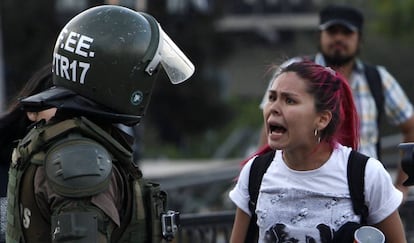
[289,101]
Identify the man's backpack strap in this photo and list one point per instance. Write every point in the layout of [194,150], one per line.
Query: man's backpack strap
[259,167]
[375,86]
[356,180]
[377,90]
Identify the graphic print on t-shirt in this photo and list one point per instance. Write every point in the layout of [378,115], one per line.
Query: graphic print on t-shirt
[292,215]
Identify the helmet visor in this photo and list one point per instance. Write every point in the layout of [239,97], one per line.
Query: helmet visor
[177,66]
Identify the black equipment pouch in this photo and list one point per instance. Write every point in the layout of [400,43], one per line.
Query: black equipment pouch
[147,210]
[81,227]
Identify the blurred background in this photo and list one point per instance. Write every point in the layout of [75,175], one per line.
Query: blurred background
[195,134]
[232,44]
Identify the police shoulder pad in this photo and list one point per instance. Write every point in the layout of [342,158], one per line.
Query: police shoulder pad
[78,167]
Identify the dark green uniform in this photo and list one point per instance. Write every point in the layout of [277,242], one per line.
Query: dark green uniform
[73,181]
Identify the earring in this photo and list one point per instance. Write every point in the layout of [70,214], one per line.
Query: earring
[316,135]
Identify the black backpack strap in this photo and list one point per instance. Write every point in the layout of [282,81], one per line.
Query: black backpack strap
[375,86]
[377,90]
[356,180]
[257,170]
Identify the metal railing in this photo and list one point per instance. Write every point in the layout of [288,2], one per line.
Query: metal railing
[206,228]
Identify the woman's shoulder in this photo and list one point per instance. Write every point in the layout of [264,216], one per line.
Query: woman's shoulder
[341,153]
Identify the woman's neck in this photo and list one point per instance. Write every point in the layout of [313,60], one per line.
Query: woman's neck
[309,160]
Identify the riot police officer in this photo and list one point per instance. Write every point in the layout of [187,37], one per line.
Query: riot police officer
[72,178]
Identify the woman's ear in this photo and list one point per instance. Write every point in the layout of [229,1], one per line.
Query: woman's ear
[324,118]
[31,115]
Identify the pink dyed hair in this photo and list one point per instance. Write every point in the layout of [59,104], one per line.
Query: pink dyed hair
[331,92]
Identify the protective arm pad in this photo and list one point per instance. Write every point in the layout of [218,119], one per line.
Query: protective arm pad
[78,167]
[79,227]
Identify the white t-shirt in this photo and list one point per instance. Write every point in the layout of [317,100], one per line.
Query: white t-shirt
[302,205]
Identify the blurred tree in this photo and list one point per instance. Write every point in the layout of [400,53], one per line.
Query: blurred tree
[197,105]
[29,33]
[395,18]
[30,28]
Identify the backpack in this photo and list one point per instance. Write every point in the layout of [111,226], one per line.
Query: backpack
[355,173]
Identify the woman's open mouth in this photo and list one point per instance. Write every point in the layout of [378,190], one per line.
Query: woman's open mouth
[276,129]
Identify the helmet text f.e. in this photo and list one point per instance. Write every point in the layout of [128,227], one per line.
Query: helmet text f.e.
[110,55]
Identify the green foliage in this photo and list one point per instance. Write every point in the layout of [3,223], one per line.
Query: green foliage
[395,18]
